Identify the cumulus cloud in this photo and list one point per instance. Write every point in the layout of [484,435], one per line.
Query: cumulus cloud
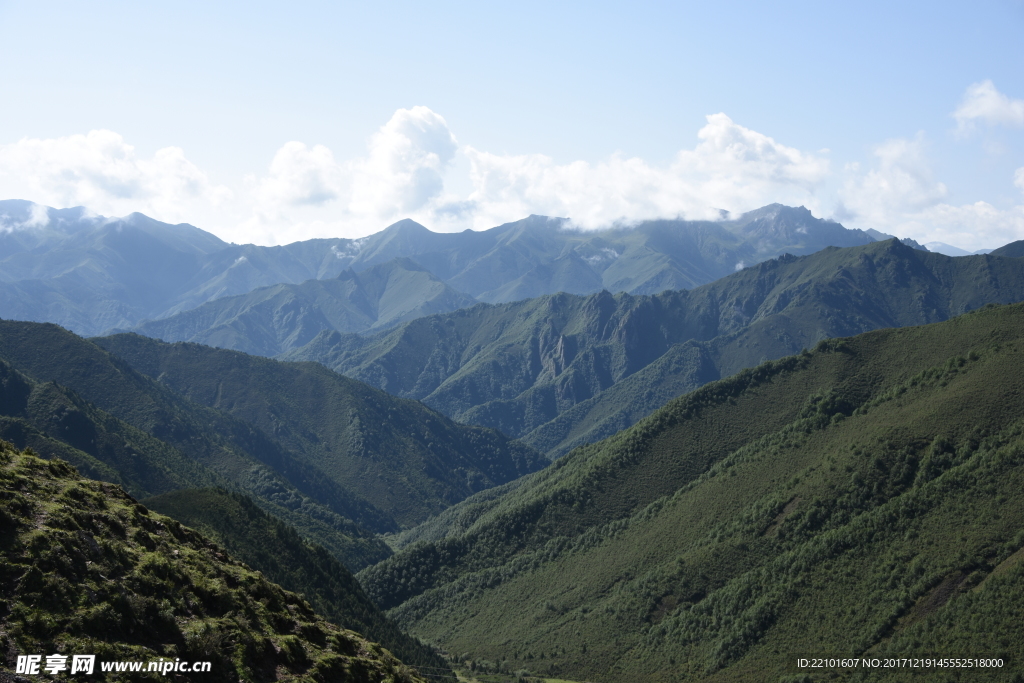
[979,225]
[301,176]
[101,171]
[731,167]
[728,152]
[983,102]
[306,192]
[406,164]
[900,196]
[901,182]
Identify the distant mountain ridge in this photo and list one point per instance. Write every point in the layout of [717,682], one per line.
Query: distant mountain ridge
[270,320]
[93,274]
[539,369]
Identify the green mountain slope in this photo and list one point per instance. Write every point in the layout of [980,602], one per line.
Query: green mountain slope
[541,369]
[87,570]
[1012,250]
[781,306]
[863,498]
[268,545]
[402,458]
[270,320]
[198,446]
[58,423]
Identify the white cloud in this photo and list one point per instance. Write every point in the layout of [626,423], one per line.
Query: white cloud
[300,176]
[405,168]
[731,167]
[970,226]
[900,196]
[102,172]
[37,217]
[731,154]
[306,192]
[982,102]
[901,182]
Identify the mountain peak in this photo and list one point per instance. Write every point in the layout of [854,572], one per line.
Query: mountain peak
[406,226]
[779,220]
[775,210]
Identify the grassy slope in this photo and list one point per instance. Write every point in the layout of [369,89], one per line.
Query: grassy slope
[275,549]
[230,448]
[854,499]
[86,569]
[408,460]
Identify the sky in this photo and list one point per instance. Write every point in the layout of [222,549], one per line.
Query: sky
[276,122]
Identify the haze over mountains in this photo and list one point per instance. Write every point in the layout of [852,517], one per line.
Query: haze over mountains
[270,320]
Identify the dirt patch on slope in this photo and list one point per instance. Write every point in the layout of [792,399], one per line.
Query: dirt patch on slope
[791,506]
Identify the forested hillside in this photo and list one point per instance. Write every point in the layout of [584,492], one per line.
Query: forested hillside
[401,458]
[272,547]
[861,498]
[304,445]
[86,569]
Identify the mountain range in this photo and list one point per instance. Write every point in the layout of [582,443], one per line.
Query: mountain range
[562,370]
[270,320]
[93,274]
[350,303]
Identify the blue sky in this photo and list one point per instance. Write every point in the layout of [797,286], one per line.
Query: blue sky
[269,122]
